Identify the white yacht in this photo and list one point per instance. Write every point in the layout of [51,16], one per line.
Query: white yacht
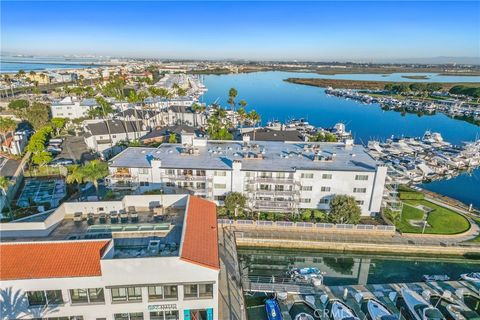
[419,308]
[472,276]
[340,311]
[461,313]
[378,311]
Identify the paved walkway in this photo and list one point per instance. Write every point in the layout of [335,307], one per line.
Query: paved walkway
[231,299]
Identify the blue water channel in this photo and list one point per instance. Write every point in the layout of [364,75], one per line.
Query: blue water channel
[275,99]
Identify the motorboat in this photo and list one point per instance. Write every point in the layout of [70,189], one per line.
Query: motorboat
[436,277]
[303,316]
[472,276]
[419,308]
[378,311]
[304,273]
[461,313]
[273,310]
[340,311]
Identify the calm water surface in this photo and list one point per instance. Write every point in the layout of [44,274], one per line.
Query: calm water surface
[351,269]
[276,99]
[7,67]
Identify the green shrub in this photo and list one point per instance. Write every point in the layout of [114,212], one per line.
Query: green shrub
[411,196]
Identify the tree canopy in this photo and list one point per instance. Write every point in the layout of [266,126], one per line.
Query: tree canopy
[344,209]
[235,202]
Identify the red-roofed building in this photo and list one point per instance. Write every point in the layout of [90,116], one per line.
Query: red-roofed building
[200,240]
[142,271]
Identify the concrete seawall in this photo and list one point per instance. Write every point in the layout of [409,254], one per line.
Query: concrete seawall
[357,247]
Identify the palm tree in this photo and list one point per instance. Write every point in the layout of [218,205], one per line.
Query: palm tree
[75,176]
[105,106]
[94,171]
[254,118]
[8,80]
[242,114]
[5,184]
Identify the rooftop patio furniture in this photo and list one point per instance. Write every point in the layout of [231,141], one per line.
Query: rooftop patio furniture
[77,217]
[113,217]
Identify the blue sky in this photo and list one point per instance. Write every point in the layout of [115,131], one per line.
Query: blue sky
[244,30]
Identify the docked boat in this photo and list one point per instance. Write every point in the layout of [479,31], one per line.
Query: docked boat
[273,310]
[460,313]
[419,308]
[340,311]
[378,311]
[436,277]
[304,316]
[304,273]
[472,276]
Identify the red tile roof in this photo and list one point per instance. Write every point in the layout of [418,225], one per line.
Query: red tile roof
[51,259]
[200,243]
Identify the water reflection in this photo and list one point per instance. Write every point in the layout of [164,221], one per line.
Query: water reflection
[350,269]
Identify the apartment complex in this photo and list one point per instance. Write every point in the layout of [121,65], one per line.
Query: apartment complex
[274,175]
[145,257]
[72,108]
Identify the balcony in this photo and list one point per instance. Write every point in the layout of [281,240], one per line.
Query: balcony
[123,185]
[273,193]
[185,177]
[274,205]
[274,180]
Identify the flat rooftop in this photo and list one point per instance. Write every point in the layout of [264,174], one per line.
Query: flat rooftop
[177,226]
[275,156]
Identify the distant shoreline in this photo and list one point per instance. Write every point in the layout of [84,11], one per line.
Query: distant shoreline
[363,84]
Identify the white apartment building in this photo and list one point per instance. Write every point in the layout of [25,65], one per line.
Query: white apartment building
[102,136]
[72,108]
[59,266]
[274,175]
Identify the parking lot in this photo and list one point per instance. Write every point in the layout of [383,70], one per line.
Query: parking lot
[76,149]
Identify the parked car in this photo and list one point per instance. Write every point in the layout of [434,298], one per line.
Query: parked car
[61,162]
[53,150]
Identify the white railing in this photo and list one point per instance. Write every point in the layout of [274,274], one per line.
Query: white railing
[308,226]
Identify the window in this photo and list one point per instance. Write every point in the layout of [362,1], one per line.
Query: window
[36,298]
[205,290]
[307,175]
[162,293]
[361,177]
[279,187]
[305,200]
[324,201]
[281,175]
[92,295]
[170,171]
[119,294]
[54,296]
[78,296]
[190,291]
[134,293]
[325,189]
[219,198]
[359,190]
[41,298]
[96,295]
[164,315]
[128,316]
[202,290]
[220,173]
[307,188]
[219,185]
[264,187]
[144,183]
[327,176]
[143,170]
[114,135]
[360,202]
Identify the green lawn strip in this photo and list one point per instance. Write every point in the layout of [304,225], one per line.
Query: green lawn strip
[477,238]
[441,219]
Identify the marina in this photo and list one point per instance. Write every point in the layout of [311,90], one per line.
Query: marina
[368,286]
[451,107]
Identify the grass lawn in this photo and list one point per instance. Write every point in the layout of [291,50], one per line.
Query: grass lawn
[477,238]
[441,219]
